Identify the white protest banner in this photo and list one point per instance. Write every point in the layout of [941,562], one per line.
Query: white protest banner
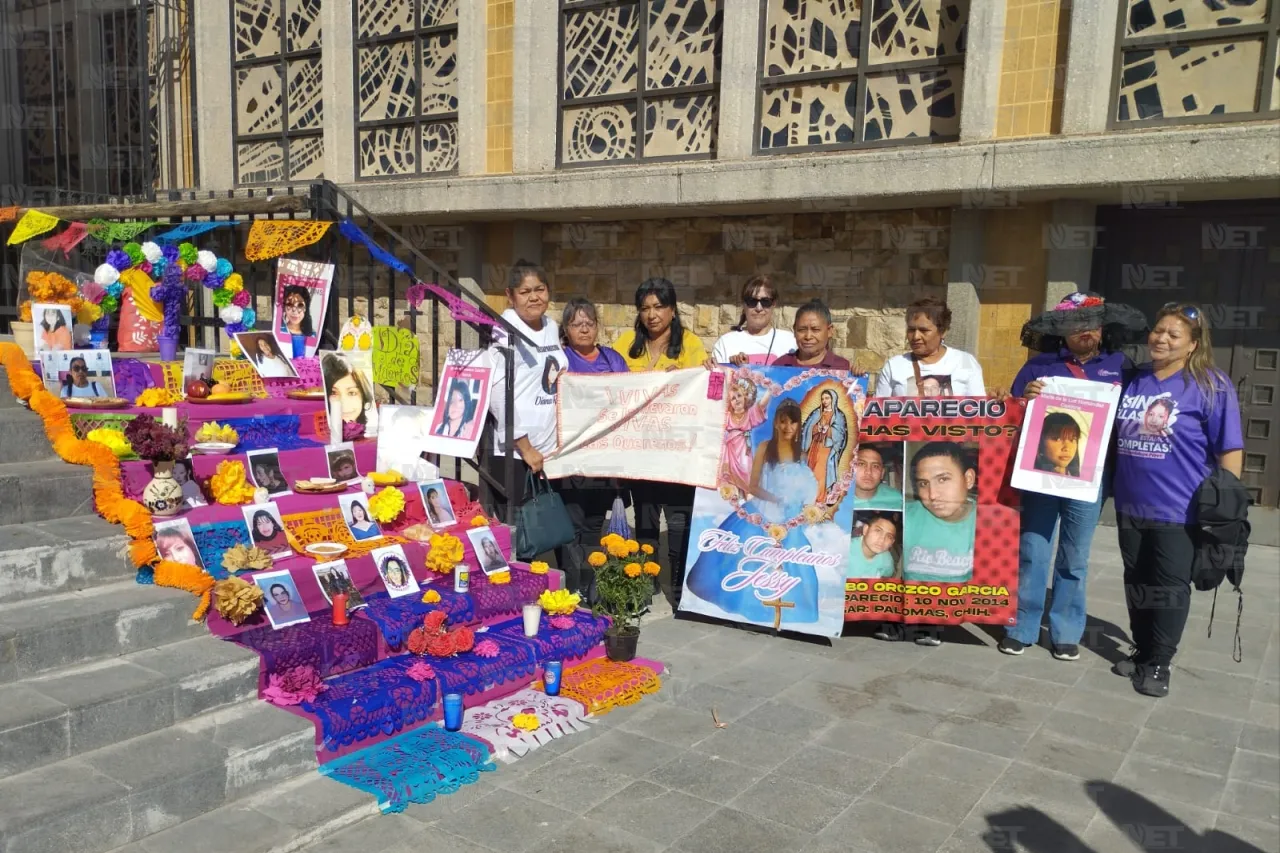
[665,427]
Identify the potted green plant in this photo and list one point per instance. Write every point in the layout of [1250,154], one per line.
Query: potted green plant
[624,587]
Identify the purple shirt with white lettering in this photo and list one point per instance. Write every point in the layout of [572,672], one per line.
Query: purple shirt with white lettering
[1110,367]
[1168,439]
[607,360]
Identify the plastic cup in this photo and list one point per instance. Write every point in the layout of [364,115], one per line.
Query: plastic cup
[551,677]
[299,346]
[532,617]
[452,711]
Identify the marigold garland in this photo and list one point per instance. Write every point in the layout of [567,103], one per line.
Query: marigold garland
[537,567]
[479,521]
[444,553]
[108,495]
[386,505]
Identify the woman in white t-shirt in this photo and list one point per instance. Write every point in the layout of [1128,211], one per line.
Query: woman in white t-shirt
[931,369]
[755,340]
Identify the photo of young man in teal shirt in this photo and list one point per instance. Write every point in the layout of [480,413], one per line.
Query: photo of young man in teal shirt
[942,513]
[870,464]
[871,554]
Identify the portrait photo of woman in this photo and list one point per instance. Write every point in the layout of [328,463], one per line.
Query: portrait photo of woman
[436,502]
[79,382]
[459,412]
[349,392]
[487,550]
[52,327]
[393,568]
[1159,417]
[355,512]
[1060,441]
[266,530]
[295,315]
[282,601]
[264,353]
[176,542]
[264,470]
[184,475]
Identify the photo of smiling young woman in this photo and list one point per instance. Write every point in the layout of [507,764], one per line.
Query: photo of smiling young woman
[1062,439]
[941,511]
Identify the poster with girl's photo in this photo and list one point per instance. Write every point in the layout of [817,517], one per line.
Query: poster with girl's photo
[175,541]
[266,529]
[265,471]
[348,389]
[462,402]
[393,568]
[770,547]
[301,297]
[78,373]
[488,554]
[265,354]
[282,601]
[334,578]
[355,512]
[402,442]
[197,364]
[1065,435]
[876,549]
[941,514]
[52,326]
[435,499]
[342,462]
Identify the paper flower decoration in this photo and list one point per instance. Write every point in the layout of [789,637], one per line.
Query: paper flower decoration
[106,274]
[153,398]
[559,602]
[237,599]
[479,521]
[113,439]
[526,722]
[293,686]
[240,558]
[443,553]
[229,484]
[537,567]
[421,671]
[416,294]
[151,251]
[214,431]
[386,505]
[433,638]
[561,623]
[431,597]
[486,649]
[500,578]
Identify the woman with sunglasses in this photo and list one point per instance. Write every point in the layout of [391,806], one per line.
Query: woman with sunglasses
[1156,479]
[755,340]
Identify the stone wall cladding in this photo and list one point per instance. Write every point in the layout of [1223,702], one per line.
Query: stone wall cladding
[866,266]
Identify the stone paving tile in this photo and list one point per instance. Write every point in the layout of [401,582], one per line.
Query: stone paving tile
[626,753]
[1229,828]
[675,726]
[979,736]
[574,786]
[1197,726]
[783,718]
[1076,758]
[754,747]
[511,823]
[866,741]
[927,795]
[1255,802]
[653,811]
[729,705]
[1104,733]
[732,831]
[931,758]
[1175,749]
[1183,784]
[716,780]
[587,834]
[868,827]
[1123,707]
[833,770]
[806,807]
[1033,690]
[1255,767]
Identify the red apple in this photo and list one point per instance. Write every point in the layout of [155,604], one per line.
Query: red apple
[198,388]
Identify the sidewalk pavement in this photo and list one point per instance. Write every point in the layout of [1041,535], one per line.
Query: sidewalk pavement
[867,747]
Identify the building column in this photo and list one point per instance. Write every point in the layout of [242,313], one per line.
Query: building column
[340,106]
[739,78]
[472,90]
[964,271]
[535,83]
[983,55]
[1086,93]
[215,123]
[1070,238]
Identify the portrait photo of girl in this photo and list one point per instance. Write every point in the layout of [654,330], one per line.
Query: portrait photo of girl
[349,393]
[266,530]
[435,499]
[393,568]
[355,512]
[487,550]
[342,462]
[176,542]
[52,327]
[184,475]
[301,298]
[1061,440]
[264,353]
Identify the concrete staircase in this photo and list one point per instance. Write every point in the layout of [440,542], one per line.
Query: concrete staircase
[123,724]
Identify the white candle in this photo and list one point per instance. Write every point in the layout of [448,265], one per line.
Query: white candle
[532,616]
[169,417]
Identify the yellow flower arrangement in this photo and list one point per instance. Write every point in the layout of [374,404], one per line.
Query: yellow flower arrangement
[500,578]
[537,567]
[214,431]
[431,597]
[526,722]
[632,570]
[386,505]
[596,559]
[89,313]
[632,546]
[777,532]
[444,552]
[235,350]
[611,539]
[559,602]
[618,549]
[156,397]
[229,484]
[652,569]
[647,549]
[234,282]
[479,521]
[113,439]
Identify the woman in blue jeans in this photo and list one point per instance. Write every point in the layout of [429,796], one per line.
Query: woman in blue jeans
[1080,338]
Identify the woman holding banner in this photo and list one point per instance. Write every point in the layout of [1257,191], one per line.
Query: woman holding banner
[755,340]
[1080,338]
[660,342]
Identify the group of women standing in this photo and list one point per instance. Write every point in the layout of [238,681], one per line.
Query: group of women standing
[1153,478]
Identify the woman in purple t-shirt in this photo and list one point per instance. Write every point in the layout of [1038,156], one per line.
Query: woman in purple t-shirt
[587,499]
[1179,418]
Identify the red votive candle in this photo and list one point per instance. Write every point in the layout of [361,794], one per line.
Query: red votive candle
[340,608]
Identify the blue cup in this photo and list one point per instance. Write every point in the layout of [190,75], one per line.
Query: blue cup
[299,346]
[551,677]
[452,711]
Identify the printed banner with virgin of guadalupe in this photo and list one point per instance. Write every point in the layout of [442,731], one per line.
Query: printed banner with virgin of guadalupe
[770,545]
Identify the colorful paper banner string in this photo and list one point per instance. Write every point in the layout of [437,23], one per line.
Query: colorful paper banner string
[32,224]
[68,239]
[117,232]
[352,232]
[557,716]
[188,230]
[10,213]
[270,238]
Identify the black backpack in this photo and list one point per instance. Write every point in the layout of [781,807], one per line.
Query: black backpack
[1222,540]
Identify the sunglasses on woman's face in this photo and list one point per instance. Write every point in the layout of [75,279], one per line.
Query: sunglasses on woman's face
[1190,312]
[761,302]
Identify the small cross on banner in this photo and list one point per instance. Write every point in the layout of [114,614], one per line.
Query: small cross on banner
[777,604]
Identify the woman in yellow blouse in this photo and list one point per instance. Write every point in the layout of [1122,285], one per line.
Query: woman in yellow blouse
[660,342]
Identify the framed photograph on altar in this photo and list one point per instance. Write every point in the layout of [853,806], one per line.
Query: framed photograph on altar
[301,298]
[488,554]
[402,442]
[266,529]
[265,471]
[334,578]
[184,475]
[393,568]
[264,353]
[348,391]
[457,420]
[876,549]
[175,541]
[941,512]
[78,373]
[1065,435]
[282,602]
[435,500]
[355,512]
[342,462]
[198,364]
[53,326]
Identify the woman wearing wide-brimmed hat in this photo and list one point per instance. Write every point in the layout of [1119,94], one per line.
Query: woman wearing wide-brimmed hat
[1081,337]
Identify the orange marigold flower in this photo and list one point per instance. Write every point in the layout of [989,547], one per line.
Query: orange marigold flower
[632,570]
